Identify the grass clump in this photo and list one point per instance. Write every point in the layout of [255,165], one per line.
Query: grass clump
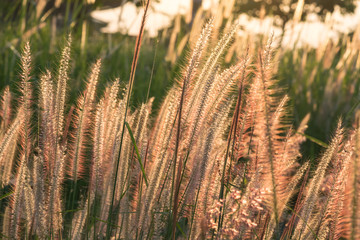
[221,159]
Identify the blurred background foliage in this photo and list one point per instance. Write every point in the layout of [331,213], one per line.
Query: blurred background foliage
[323,82]
[47,28]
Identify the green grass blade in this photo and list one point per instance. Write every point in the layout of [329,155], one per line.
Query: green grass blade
[6,195]
[137,152]
[180,229]
[314,140]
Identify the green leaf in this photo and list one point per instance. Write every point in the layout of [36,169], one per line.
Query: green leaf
[180,229]
[314,140]
[137,152]
[6,195]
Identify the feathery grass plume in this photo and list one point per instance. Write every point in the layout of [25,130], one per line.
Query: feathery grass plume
[164,122]
[187,119]
[188,76]
[6,223]
[260,133]
[55,219]
[298,204]
[58,98]
[265,132]
[49,165]
[244,134]
[124,173]
[26,99]
[221,90]
[162,126]
[349,223]
[194,61]
[95,181]
[97,168]
[110,103]
[28,200]
[113,148]
[22,196]
[18,199]
[286,152]
[287,194]
[82,123]
[205,162]
[8,135]
[133,187]
[334,204]
[225,82]
[143,129]
[159,157]
[208,85]
[294,140]
[5,110]
[106,132]
[40,208]
[125,159]
[130,86]
[208,195]
[202,100]
[264,65]
[180,156]
[211,62]
[237,132]
[8,147]
[102,147]
[293,183]
[233,130]
[114,111]
[354,210]
[48,138]
[195,120]
[187,80]
[129,181]
[61,86]
[79,221]
[216,128]
[121,165]
[313,191]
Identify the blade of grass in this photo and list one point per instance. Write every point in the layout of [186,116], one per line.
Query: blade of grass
[137,152]
[180,229]
[6,195]
[314,140]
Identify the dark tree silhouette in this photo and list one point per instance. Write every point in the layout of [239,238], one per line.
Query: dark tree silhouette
[285,9]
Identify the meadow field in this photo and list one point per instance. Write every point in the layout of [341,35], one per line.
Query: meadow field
[204,131]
